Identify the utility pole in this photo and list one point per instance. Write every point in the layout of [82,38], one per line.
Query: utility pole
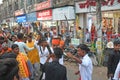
[99,31]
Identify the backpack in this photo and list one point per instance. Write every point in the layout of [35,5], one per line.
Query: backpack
[8,68]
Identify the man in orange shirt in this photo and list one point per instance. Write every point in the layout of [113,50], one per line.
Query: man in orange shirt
[62,43]
[5,48]
[33,54]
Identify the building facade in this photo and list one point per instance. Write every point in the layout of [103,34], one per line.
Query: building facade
[8,7]
[86,14]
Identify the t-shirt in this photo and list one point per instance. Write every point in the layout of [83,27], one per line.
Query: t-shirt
[33,54]
[23,47]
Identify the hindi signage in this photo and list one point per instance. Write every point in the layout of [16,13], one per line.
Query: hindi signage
[43,5]
[44,15]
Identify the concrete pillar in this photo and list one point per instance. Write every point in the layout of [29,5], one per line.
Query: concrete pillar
[83,23]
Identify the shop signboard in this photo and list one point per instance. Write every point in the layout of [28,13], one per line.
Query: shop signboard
[75,41]
[90,6]
[31,17]
[61,13]
[19,12]
[44,15]
[43,5]
[21,19]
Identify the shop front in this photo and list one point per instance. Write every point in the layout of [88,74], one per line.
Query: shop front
[44,14]
[31,17]
[21,19]
[45,18]
[64,18]
[86,12]
[111,21]
[10,22]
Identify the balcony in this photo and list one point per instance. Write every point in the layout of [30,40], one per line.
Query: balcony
[30,8]
[60,3]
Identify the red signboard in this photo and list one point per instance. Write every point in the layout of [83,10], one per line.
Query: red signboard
[19,12]
[119,1]
[44,15]
[93,3]
[43,5]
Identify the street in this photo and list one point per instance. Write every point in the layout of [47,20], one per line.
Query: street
[99,73]
[37,28]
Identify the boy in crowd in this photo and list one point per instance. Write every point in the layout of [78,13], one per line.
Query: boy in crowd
[54,70]
[85,63]
[24,73]
[113,59]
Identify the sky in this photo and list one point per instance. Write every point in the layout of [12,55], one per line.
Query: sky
[0,1]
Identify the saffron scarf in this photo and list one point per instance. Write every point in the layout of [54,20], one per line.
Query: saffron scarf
[24,71]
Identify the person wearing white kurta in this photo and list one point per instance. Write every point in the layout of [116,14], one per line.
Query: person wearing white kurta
[117,72]
[86,68]
[43,54]
[85,63]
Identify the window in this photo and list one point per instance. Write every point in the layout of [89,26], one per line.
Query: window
[33,1]
[16,5]
[29,2]
[22,4]
[38,1]
[10,8]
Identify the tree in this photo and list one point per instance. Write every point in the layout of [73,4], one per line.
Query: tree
[99,30]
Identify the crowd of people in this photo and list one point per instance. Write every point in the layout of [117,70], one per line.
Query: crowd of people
[32,54]
[24,56]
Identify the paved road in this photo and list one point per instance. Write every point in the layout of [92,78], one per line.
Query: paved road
[99,73]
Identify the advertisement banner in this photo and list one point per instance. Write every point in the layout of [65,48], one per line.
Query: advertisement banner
[19,12]
[21,19]
[63,13]
[31,17]
[90,6]
[75,41]
[43,5]
[44,15]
